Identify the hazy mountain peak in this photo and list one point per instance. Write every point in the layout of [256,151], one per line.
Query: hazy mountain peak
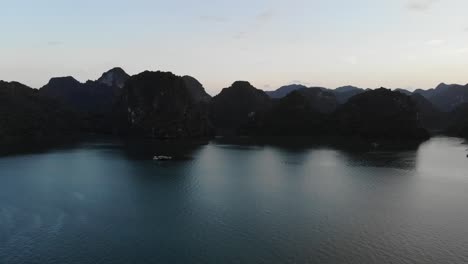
[114,77]
[346,88]
[403,91]
[68,80]
[285,90]
[442,86]
[241,84]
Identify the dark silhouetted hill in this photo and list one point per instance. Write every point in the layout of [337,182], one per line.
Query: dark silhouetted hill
[344,93]
[284,90]
[238,106]
[93,101]
[380,114]
[160,105]
[321,100]
[115,77]
[163,105]
[293,115]
[446,97]
[458,122]
[430,117]
[89,97]
[196,89]
[403,91]
[28,118]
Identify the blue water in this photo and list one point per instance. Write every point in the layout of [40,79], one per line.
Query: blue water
[102,202]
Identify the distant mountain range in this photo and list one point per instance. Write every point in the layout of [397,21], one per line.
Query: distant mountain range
[445,97]
[342,94]
[91,96]
[163,105]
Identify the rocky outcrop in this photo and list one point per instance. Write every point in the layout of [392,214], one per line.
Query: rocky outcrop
[161,105]
[196,89]
[92,101]
[430,117]
[403,91]
[323,101]
[458,122]
[89,97]
[285,90]
[344,93]
[115,77]
[239,106]
[446,97]
[380,114]
[28,118]
[293,115]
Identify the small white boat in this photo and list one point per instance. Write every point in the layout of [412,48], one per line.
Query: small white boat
[162,158]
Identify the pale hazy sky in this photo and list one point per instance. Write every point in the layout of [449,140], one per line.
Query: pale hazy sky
[367,43]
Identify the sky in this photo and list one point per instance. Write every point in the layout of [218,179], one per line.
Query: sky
[367,43]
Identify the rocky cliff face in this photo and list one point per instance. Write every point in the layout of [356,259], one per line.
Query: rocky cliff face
[380,113]
[115,77]
[160,105]
[238,106]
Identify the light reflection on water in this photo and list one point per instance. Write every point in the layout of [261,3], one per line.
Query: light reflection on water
[103,202]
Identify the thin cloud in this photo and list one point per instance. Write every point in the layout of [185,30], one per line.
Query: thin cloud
[299,82]
[257,23]
[54,43]
[217,19]
[435,42]
[353,60]
[240,35]
[460,51]
[421,5]
[455,51]
[264,16]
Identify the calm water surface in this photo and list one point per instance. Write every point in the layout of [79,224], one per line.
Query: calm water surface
[101,202]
